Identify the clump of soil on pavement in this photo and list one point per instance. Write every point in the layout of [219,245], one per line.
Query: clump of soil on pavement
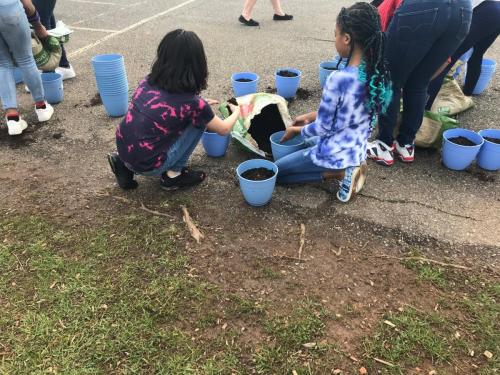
[303,94]
[462,141]
[287,73]
[244,80]
[96,100]
[493,140]
[258,174]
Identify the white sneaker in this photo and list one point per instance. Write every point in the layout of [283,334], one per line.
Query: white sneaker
[16,127]
[66,73]
[44,114]
[380,152]
[405,153]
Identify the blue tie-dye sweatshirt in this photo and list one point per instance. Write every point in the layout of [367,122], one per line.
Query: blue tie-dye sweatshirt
[343,123]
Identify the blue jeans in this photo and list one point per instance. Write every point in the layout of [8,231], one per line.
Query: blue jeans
[422,35]
[484,29]
[298,168]
[15,49]
[179,153]
[46,10]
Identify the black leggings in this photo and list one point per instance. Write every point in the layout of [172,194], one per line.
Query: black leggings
[46,10]
[484,29]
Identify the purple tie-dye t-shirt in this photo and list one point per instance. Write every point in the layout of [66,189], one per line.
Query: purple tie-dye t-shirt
[154,121]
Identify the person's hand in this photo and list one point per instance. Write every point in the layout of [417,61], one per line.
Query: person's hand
[233,108]
[290,132]
[41,32]
[212,101]
[301,120]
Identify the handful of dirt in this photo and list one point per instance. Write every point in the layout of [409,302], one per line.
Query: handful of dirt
[258,174]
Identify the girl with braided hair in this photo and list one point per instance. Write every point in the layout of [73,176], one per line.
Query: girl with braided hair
[337,134]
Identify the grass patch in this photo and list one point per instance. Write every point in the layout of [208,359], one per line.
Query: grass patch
[416,337]
[428,272]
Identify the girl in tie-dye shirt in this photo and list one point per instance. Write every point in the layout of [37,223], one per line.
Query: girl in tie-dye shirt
[337,134]
[167,117]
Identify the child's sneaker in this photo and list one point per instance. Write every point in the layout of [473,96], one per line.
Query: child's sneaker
[66,73]
[124,176]
[349,184]
[362,176]
[16,126]
[405,153]
[44,111]
[380,152]
[185,179]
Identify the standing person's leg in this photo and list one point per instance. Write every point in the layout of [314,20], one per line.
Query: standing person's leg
[8,86]
[415,90]
[63,63]
[475,62]
[246,13]
[279,15]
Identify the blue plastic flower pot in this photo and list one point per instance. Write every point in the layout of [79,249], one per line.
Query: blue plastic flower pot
[325,69]
[53,87]
[458,157]
[283,149]
[488,69]
[489,155]
[257,193]
[215,145]
[18,75]
[287,86]
[244,88]
[115,105]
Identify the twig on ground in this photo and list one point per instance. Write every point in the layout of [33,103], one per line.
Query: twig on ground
[302,239]
[143,207]
[195,232]
[285,257]
[426,260]
[384,362]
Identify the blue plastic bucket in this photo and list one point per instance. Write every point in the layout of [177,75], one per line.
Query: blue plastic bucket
[215,145]
[489,155]
[325,69]
[257,193]
[458,157]
[287,86]
[53,87]
[283,149]
[107,62]
[18,75]
[115,105]
[244,88]
[488,69]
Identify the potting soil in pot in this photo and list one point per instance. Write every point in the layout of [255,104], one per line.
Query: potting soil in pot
[287,73]
[462,141]
[331,69]
[243,80]
[493,140]
[258,174]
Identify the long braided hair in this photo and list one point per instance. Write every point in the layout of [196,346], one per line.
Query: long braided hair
[362,22]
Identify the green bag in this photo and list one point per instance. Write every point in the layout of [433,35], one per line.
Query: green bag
[47,54]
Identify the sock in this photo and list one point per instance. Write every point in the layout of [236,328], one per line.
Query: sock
[13,117]
[173,174]
[40,105]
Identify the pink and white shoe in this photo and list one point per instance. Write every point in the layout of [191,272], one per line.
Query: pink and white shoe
[405,153]
[381,153]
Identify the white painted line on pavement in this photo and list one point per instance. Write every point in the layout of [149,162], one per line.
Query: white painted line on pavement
[128,28]
[92,29]
[92,2]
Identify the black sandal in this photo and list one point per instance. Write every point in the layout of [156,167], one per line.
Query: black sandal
[187,178]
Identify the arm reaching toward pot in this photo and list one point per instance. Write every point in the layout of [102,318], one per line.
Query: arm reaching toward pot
[222,127]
